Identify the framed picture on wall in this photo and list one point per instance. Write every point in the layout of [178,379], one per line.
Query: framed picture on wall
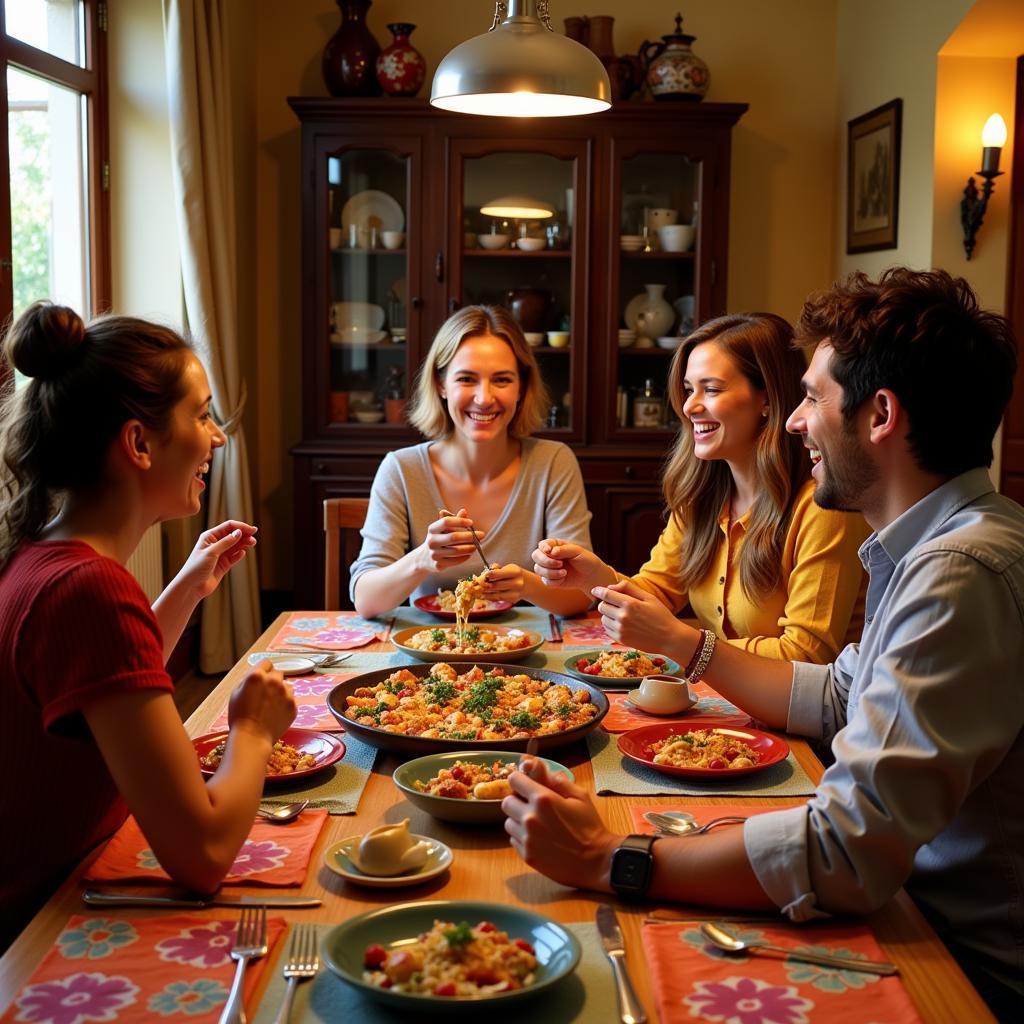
[873,178]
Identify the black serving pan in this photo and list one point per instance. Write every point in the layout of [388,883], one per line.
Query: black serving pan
[420,745]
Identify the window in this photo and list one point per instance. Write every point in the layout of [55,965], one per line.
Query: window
[54,217]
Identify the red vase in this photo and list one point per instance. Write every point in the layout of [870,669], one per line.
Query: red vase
[350,56]
[400,66]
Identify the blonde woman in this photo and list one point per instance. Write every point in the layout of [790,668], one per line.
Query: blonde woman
[478,398]
[745,545]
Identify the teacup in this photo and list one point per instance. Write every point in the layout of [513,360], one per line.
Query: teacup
[392,239]
[662,695]
[676,237]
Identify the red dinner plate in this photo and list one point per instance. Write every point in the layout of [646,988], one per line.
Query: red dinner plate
[636,745]
[324,746]
[430,604]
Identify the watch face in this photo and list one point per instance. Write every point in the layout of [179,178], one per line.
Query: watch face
[631,871]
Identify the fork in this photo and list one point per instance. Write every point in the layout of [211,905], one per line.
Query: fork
[250,942]
[303,962]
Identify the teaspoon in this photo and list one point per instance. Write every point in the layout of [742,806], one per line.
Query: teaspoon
[283,814]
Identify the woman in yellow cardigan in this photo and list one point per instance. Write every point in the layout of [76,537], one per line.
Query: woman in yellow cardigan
[745,545]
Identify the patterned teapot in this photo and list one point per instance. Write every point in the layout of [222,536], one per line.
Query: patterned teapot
[674,71]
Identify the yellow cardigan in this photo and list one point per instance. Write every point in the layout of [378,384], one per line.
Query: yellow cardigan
[818,606]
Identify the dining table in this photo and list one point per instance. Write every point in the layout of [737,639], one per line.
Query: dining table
[485,867]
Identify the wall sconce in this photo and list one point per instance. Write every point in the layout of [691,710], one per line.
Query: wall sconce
[973,206]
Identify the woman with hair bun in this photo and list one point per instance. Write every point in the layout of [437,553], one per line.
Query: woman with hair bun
[478,398]
[111,434]
[762,567]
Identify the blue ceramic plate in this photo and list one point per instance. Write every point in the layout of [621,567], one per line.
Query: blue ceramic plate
[558,950]
[465,812]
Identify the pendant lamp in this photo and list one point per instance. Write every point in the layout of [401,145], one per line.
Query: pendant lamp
[521,67]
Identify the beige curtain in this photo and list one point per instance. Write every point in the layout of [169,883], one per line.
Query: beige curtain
[198,87]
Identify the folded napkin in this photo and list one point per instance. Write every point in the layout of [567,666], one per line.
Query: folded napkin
[329,632]
[582,998]
[615,773]
[702,812]
[111,968]
[708,711]
[272,854]
[310,694]
[338,788]
[693,980]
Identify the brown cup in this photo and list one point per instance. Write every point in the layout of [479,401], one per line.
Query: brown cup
[339,406]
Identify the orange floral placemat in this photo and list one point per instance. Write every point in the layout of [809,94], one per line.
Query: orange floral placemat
[114,969]
[328,631]
[310,694]
[272,855]
[710,709]
[693,980]
[703,812]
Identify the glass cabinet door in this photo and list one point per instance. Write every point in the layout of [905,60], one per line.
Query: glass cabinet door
[657,235]
[366,318]
[518,242]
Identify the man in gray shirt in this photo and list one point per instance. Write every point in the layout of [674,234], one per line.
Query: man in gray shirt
[905,390]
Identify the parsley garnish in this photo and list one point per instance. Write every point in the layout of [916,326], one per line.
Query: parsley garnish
[563,710]
[438,636]
[631,656]
[482,695]
[524,720]
[460,935]
[442,691]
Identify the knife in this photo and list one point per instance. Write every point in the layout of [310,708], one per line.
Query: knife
[95,898]
[630,1009]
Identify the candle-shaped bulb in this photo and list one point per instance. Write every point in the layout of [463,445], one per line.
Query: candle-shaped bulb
[994,132]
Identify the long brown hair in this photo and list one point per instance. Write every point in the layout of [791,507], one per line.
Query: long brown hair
[86,382]
[430,415]
[760,345]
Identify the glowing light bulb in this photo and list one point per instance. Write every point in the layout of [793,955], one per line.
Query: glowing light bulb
[994,132]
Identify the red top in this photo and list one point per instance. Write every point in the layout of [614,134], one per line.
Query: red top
[74,626]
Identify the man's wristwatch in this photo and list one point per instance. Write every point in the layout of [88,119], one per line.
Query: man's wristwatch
[633,865]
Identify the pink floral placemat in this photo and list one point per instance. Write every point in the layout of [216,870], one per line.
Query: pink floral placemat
[272,854]
[693,980]
[328,631]
[586,631]
[702,812]
[113,969]
[310,694]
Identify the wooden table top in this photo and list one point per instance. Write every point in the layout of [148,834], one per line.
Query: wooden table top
[485,866]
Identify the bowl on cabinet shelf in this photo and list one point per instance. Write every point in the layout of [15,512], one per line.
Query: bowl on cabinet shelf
[368,414]
[670,342]
[558,339]
[534,338]
[492,241]
[530,244]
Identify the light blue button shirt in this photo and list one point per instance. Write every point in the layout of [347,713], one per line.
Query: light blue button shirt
[925,716]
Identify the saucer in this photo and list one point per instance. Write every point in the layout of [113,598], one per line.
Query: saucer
[632,698]
[337,858]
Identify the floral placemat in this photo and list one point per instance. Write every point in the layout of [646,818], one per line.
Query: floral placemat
[585,997]
[329,631]
[693,980]
[310,694]
[614,773]
[271,855]
[113,969]
[710,710]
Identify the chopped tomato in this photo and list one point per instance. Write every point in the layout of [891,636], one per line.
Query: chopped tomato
[717,762]
[523,945]
[447,989]
[374,957]
[459,773]
[658,661]
[405,693]
[582,664]
[486,926]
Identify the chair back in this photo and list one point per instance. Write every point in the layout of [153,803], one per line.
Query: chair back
[343,519]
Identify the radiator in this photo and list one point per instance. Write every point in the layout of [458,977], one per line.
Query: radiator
[146,563]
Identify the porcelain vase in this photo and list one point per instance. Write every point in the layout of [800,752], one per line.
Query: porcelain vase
[350,56]
[401,68]
[674,71]
[652,315]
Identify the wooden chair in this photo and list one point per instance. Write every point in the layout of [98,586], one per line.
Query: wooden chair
[343,519]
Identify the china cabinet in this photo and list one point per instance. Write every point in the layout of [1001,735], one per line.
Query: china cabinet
[607,235]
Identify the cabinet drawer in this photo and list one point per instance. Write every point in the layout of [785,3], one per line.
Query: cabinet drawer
[353,468]
[616,471]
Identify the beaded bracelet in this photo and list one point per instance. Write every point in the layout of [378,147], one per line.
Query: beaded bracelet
[702,656]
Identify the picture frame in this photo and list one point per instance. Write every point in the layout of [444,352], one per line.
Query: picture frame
[873,178]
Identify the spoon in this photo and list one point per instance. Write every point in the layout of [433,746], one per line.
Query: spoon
[283,814]
[678,825]
[726,940]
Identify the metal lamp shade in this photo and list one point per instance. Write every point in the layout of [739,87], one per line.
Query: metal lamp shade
[521,69]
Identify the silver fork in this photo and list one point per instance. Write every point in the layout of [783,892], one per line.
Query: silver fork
[250,942]
[303,962]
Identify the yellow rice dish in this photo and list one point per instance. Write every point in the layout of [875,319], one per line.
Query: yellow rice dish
[704,748]
[621,665]
[284,759]
[453,960]
[468,781]
[473,705]
[469,640]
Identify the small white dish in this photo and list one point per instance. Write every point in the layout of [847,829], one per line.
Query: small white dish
[492,241]
[530,244]
[287,664]
[534,338]
[337,859]
[670,342]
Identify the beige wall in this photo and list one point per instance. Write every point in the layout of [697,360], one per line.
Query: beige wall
[777,57]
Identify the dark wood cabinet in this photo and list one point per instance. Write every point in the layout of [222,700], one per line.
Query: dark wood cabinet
[399,229]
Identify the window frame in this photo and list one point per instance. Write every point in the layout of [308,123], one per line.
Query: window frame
[91,82]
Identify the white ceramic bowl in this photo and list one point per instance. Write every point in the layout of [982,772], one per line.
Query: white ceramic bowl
[392,239]
[369,415]
[530,244]
[662,695]
[534,338]
[676,237]
[492,241]
[558,339]
[670,342]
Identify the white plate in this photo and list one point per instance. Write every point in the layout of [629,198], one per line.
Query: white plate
[358,314]
[336,858]
[372,209]
[286,664]
[357,336]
